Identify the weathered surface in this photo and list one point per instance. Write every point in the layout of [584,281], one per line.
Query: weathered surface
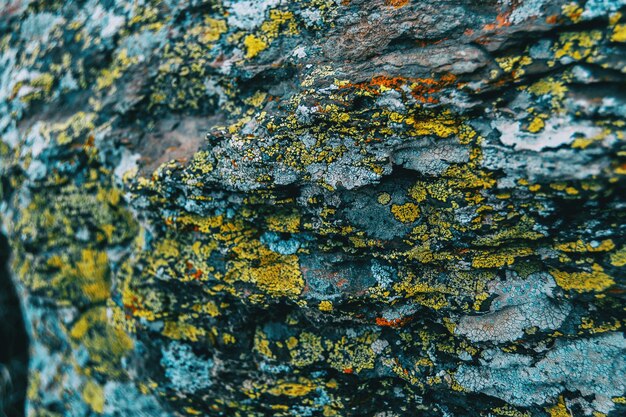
[318,208]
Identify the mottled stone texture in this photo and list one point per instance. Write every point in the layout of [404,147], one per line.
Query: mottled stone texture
[377,208]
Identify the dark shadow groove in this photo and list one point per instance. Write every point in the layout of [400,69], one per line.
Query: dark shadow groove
[13,343]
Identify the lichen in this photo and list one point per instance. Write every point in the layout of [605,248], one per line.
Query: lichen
[251,208]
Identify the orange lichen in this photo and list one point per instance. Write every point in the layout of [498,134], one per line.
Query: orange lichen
[397,3]
[395,323]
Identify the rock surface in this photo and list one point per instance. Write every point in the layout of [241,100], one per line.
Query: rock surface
[376,208]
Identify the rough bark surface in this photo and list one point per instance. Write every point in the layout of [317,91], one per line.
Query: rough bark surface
[315,208]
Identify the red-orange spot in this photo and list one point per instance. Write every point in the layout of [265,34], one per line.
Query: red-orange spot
[502,20]
[397,3]
[395,323]
[422,89]
[342,282]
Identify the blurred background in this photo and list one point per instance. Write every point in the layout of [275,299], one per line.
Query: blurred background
[13,343]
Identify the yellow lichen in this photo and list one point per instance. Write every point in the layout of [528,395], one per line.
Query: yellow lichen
[73,127]
[105,344]
[92,269]
[593,328]
[510,411]
[44,81]
[306,350]
[87,278]
[278,18]
[384,198]
[262,344]
[619,257]
[254,45]
[406,213]
[619,33]
[418,192]
[278,275]
[514,64]
[109,75]
[288,223]
[578,45]
[93,394]
[352,355]
[536,125]
[181,330]
[292,389]
[325,305]
[212,29]
[500,258]
[580,246]
[553,87]
[573,11]
[596,280]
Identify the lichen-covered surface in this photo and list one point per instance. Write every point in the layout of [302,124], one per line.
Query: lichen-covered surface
[317,208]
